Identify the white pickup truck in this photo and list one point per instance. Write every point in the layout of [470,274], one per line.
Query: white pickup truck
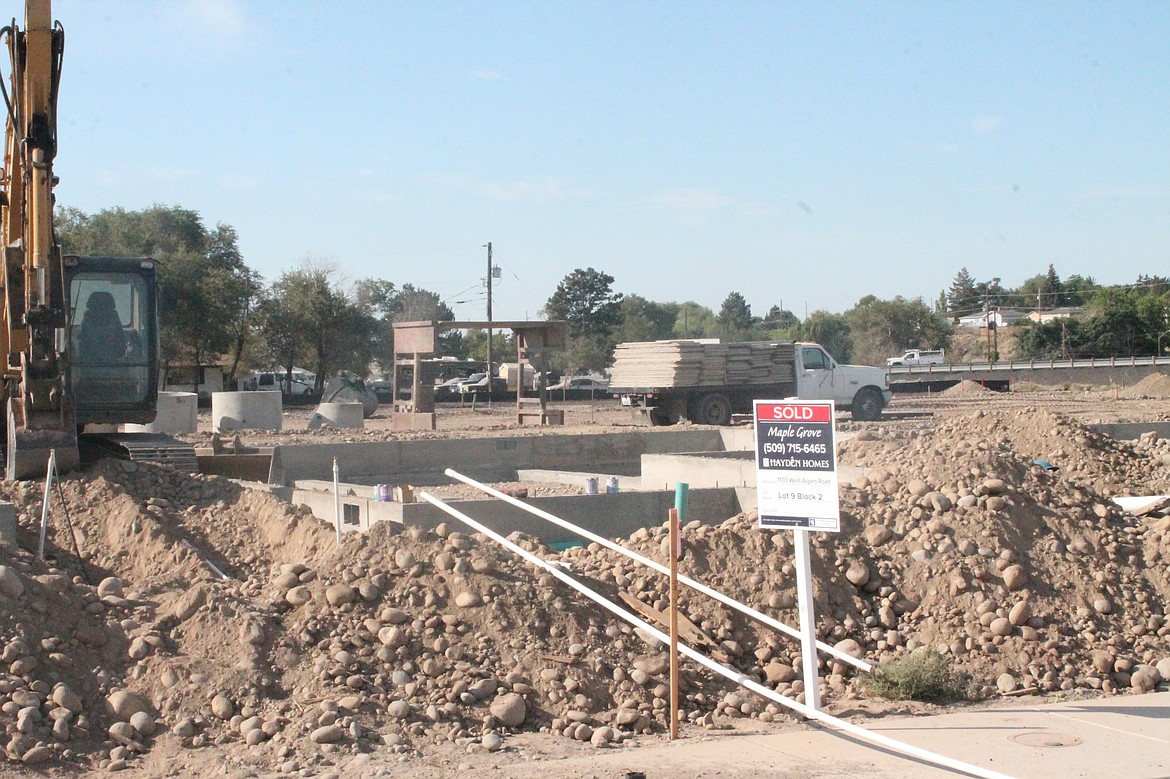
[917,357]
[708,382]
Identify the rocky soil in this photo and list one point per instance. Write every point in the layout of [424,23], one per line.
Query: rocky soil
[183,624]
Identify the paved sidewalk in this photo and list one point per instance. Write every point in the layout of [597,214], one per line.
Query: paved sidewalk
[1123,736]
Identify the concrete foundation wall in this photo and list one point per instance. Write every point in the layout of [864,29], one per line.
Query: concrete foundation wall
[738,439]
[486,459]
[363,512]
[1101,375]
[663,471]
[611,516]
[1130,431]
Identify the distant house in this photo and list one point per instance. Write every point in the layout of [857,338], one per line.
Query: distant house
[1052,314]
[1000,317]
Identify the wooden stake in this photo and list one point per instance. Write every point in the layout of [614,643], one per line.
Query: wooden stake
[674,555]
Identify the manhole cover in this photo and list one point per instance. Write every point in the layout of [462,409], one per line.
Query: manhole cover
[1045,739]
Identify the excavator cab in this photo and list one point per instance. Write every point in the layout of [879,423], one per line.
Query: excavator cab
[112,370]
[108,349]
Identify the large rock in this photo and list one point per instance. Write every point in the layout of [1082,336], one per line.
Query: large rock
[510,709]
[1014,577]
[340,594]
[776,672]
[327,734]
[1145,678]
[221,706]
[857,573]
[66,698]
[124,704]
[877,535]
[190,603]
[10,582]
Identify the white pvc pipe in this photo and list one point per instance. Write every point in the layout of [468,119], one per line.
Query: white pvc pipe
[701,659]
[337,500]
[50,471]
[743,608]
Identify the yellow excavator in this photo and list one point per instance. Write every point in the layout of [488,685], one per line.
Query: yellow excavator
[80,333]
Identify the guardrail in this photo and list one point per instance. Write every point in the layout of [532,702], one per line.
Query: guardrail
[1030,365]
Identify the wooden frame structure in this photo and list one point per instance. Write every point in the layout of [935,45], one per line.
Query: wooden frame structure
[414,341]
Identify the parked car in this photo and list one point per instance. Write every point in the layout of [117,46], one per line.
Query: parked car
[275,381]
[582,386]
[476,385]
[449,390]
[383,388]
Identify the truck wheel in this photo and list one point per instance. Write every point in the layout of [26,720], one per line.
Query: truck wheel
[659,417]
[867,405]
[712,409]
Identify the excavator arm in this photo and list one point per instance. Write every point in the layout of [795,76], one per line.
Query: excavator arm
[40,412]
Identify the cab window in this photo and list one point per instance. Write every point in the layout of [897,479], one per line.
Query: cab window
[813,358]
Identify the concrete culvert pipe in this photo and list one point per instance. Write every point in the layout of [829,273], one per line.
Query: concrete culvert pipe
[349,389]
[340,415]
[232,411]
[178,412]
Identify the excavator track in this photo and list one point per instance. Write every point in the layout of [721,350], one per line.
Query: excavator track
[144,448]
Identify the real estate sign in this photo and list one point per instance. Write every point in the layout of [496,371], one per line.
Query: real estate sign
[796,465]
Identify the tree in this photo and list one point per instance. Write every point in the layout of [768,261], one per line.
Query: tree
[1051,292]
[830,331]
[780,318]
[989,295]
[695,321]
[961,297]
[880,328]
[1078,289]
[308,316]
[586,301]
[735,317]
[643,320]
[378,298]
[206,291]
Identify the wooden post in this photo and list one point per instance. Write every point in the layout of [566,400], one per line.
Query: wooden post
[674,555]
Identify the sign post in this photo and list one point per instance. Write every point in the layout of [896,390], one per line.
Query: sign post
[796,488]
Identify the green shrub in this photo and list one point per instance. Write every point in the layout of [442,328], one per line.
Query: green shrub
[924,675]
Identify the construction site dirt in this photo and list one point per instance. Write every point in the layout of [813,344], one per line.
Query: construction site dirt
[185,624]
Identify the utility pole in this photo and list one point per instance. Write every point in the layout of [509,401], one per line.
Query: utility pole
[987,320]
[490,372]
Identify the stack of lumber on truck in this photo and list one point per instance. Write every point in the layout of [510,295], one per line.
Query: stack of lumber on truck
[697,364]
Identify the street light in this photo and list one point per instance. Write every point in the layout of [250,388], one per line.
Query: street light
[1160,337]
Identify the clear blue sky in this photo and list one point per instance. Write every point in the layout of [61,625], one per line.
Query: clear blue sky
[807,153]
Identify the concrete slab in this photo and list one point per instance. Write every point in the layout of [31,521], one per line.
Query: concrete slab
[1125,736]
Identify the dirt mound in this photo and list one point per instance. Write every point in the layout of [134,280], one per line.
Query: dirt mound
[1085,457]
[1156,385]
[204,614]
[966,388]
